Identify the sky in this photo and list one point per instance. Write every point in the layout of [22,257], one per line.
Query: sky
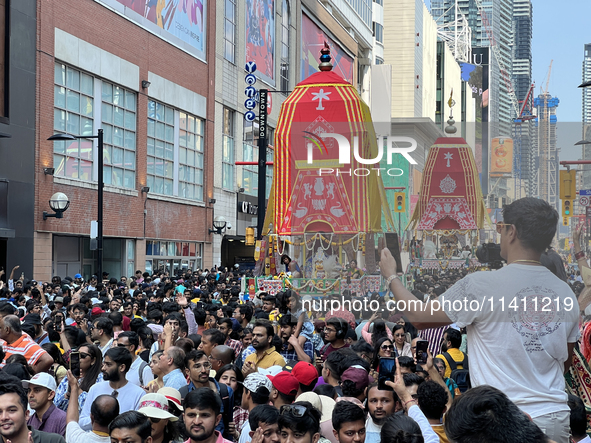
[561,28]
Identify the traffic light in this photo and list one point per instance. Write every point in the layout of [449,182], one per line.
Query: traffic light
[568,184]
[567,208]
[399,202]
[565,221]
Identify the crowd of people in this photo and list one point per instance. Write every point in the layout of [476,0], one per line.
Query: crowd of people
[155,358]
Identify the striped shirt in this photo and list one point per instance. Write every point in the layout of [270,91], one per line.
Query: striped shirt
[434,337]
[25,346]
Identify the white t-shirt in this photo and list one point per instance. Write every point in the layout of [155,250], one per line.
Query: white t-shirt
[133,375]
[245,433]
[518,323]
[75,434]
[372,431]
[128,396]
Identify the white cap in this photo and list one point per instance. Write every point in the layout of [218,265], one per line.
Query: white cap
[41,379]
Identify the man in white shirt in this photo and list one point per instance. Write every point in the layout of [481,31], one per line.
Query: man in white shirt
[116,364]
[521,320]
[381,405]
[139,373]
[103,410]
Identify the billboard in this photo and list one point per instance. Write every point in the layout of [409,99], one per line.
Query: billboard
[313,39]
[501,156]
[180,22]
[260,38]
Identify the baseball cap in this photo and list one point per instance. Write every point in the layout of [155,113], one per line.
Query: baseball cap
[41,379]
[305,373]
[271,370]
[96,311]
[95,301]
[155,406]
[285,383]
[78,276]
[357,375]
[33,319]
[58,300]
[255,382]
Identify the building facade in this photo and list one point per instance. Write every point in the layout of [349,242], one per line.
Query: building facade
[586,111]
[18,165]
[147,80]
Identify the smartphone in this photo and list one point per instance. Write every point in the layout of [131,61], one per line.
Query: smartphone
[422,346]
[75,363]
[387,371]
[393,245]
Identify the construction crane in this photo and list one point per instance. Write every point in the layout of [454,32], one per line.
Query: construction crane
[545,91]
[526,113]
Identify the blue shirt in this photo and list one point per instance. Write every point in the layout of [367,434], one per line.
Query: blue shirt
[174,379]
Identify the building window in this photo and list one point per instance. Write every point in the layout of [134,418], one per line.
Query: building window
[379,61]
[118,117]
[228,150]
[175,152]
[250,152]
[378,32]
[161,128]
[73,113]
[285,23]
[230,30]
[130,268]
[173,256]
[191,157]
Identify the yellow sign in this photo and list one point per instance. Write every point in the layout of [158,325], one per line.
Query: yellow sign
[501,156]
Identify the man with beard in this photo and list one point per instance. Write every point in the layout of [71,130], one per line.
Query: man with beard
[197,368]
[102,333]
[265,355]
[202,413]
[292,349]
[380,405]
[13,415]
[116,364]
[450,345]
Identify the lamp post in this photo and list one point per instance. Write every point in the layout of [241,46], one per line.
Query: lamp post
[99,137]
[58,203]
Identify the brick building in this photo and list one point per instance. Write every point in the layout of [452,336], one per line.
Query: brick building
[146,77]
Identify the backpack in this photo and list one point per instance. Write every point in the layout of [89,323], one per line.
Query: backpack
[143,365]
[228,414]
[460,376]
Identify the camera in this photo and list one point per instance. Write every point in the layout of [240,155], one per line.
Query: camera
[490,253]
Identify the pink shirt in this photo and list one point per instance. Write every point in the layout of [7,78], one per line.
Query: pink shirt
[219,438]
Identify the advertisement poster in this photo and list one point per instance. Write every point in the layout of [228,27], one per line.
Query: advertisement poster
[501,156]
[313,39]
[181,19]
[260,37]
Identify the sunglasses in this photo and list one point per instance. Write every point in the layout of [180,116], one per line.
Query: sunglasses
[295,410]
[84,355]
[386,347]
[155,420]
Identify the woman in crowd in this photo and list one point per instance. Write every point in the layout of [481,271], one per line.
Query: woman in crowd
[402,347]
[384,348]
[379,330]
[158,382]
[231,376]
[58,369]
[91,361]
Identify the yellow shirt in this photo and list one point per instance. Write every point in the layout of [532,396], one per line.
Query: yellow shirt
[270,358]
[440,431]
[456,355]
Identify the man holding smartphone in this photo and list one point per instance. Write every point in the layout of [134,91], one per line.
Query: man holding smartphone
[529,362]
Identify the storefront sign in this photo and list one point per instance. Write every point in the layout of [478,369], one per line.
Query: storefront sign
[247,208]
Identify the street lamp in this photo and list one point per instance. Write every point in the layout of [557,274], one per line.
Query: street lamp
[99,137]
[58,203]
[219,223]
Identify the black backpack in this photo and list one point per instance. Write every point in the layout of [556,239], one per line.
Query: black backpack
[460,376]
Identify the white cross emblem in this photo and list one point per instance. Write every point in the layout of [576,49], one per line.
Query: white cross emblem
[321,95]
[448,156]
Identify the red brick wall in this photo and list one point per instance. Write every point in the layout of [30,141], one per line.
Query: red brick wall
[123,215]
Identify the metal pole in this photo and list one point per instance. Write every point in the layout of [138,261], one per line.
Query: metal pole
[262,194]
[100,207]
